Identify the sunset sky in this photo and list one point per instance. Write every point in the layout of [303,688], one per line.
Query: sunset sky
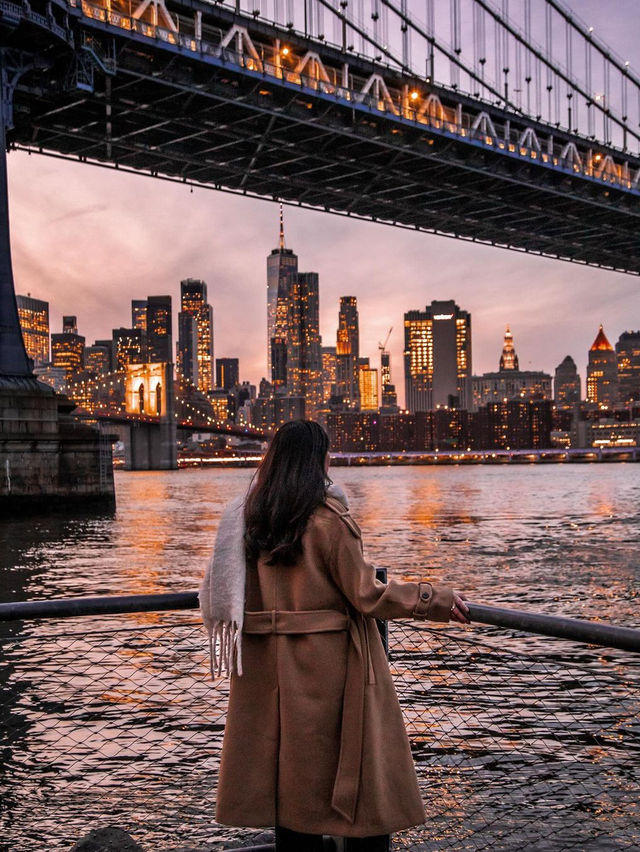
[88,240]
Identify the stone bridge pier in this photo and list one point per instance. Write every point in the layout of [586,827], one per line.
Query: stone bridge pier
[150,442]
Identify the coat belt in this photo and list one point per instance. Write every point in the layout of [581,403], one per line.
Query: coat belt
[359,673]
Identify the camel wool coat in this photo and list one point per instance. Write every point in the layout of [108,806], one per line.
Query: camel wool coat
[315,740]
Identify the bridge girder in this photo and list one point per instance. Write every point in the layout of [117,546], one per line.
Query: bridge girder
[444,167]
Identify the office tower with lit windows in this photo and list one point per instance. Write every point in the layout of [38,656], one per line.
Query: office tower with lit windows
[368,386]
[227,373]
[282,265]
[566,383]
[628,357]
[67,349]
[139,314]
[602,372]
[304,360]
[348,352]
[34,323]
[187,348]
[159,329]
[129,347]
[193,298]
[97,359]
[437,357]
[279,364]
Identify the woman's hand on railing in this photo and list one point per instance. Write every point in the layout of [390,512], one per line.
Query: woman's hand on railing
[459,610]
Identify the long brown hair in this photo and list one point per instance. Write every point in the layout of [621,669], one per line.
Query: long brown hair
[291,482]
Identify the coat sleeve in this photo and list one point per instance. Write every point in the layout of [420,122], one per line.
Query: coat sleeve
[396,599]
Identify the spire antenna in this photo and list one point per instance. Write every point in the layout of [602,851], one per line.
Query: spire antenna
[281,228]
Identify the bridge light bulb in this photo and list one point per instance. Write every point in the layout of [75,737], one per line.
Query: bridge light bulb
[285,51]
[413,96]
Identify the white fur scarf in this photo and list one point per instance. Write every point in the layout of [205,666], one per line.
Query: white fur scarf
[221,591]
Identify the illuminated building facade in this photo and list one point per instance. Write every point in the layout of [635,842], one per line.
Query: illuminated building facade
[304,361]
[34,323]
[129,347]
[227,373]
[279,364]
[348,352]
[187,348]
[282,265]
[159,329]
[328,354]
[193,298]
[139,314]
[508,359]
[437,357]
[628,357]
[566,384]
[67,349]
[368,387]
[602,372]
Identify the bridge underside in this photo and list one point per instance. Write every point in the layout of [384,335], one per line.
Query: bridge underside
[169,115]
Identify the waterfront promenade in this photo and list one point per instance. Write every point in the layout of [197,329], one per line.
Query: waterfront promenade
[521,742]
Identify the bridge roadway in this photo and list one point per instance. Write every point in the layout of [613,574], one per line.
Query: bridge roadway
[186,425]
[192,91]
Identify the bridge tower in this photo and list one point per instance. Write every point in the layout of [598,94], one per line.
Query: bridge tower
[46,460]
[150,396]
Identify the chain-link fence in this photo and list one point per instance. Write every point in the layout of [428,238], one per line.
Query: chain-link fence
[114,721]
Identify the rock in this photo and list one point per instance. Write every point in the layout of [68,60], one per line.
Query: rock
[107,840]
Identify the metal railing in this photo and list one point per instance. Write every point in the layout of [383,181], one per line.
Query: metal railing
[108,717]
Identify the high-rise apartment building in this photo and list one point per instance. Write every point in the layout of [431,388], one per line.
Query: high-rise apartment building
[34,322]
[602,372]
[628,356]
[139,314]
[566,384]
[328,354]
[348,352]
[159,329]
[437,357]
[282,265]
[304,360]
[67,349]
[187,348]
[227,373]
[193,297]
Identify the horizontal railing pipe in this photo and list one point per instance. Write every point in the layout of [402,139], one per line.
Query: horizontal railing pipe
[591,632]
[105,605]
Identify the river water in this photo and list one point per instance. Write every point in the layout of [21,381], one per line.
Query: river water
[561,539]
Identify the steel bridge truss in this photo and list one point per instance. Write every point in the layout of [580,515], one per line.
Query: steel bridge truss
[204,94]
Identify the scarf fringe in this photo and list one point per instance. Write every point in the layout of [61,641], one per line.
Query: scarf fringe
[225,648]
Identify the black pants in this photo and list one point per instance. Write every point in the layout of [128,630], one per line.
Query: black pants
[294,841]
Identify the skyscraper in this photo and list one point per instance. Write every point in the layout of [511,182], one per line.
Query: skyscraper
[368,387]
[566,384]
[227,373]
[139,314]
[67,349]
[602,372]
[508,359]
[193,295]
[437,357]
[348,352]
[304,360]
[282,265]
[187,348]
[34,322]
[159,329]
[628,355]
[129,347]
[328,354]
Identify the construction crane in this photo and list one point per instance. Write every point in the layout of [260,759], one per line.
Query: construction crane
[385,361]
